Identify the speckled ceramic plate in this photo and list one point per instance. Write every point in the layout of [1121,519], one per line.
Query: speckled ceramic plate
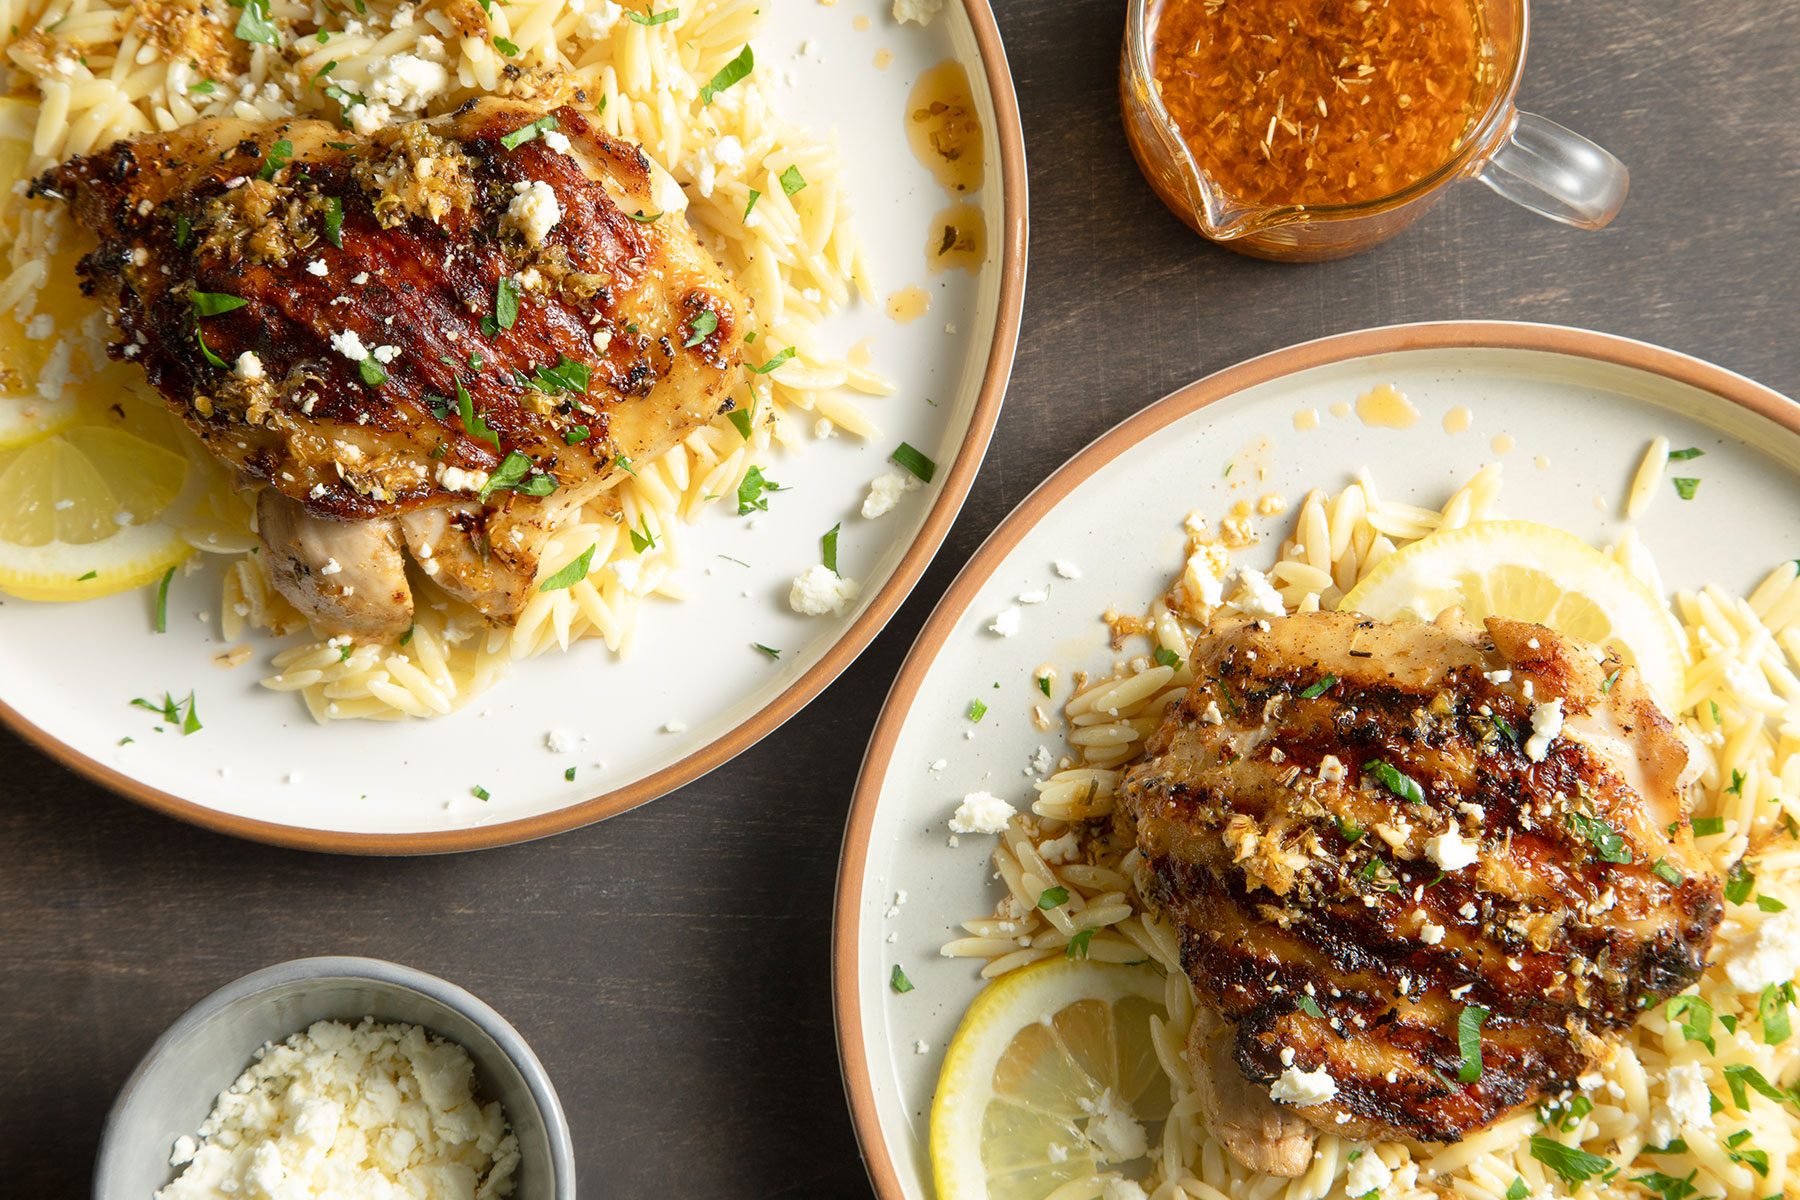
[262,769]
[1567,412]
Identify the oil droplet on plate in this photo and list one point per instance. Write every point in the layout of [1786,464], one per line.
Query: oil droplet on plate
[1541,463]
[908,304]
[863,353]
[943,129]
[1504,444]
[958,239]
[1341,409]
[1458,419]
[1306,418]
[884,58]
[1386,407]
[860,24]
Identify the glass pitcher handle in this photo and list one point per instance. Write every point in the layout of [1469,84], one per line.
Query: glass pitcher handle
[1557,173]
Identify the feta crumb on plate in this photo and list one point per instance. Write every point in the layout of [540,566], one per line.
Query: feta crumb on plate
[819,590]
[1303,1087]
[885,492]
[1770,955]
[1367,1174]
[981,812]
[1067,569]
[1006,621]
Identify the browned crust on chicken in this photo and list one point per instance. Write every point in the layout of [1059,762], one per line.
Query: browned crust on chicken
[1295,888]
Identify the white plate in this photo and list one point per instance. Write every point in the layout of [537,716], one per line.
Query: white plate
[262,769]
[1580,407]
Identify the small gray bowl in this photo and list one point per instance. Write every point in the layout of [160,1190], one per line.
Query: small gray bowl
[173,1088]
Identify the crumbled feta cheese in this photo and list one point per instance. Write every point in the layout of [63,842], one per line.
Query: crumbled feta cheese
[1498,677]
[407,82]
[1367,1174]
[1059,849]
[674,726]
[385,354]
[599,16]
[1431,935]
[1546,723]
[1034,596]
[885,492]
[1006,621]
[534,210]
[1769,955]
[1067,569]
[558,741]
[337,1110]
[1450,851]
[1117,1187]
[1255,596]
[249,366]
[1303,1087]
[317,267]
[1203,579]
[1331,769]
[1211,714]
[1688,1104]
[349,343]
[456,479]
[332,567]
[981,812]
[557,140]
[819,590]
[1113,1130]
[919,12]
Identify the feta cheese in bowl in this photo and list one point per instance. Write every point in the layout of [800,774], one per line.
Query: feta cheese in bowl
[266,1064]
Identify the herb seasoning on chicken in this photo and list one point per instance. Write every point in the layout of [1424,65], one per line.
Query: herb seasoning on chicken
[442,339]
[1421,872]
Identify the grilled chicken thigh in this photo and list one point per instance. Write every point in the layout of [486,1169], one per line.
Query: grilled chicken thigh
[449,335]
[1367,831]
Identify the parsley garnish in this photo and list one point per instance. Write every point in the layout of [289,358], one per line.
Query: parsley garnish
[1736,787]
[570,575]
[566,376]
[569,775]
[828,548]
[506,302]
[334,221]
[654,18]
[206,351]
[792,181]
[644,218]
[526,133]
[702,328]
[1609,842]
[1770,904]
[211,304]
[774,362]
[254,24]
[1572,1163]
[1165,657]
[624,464]
[1606,685]
[1666,1186]
[514,474]
[205,87]
[1518,1189]
[914,461]
[1695,1016]
[977,710]
[642,539]
[574,435]
[473,423]
[899,982]
[480,793]
[1685,488]
[1078,945]
[1054,897]
[1310,1007]
[1772,1012]
[751,493]
[88,576]
[740,421]
[1684,455]
[1396,781]
[506,47]
[1666,871]
[160,621]
[1708,826]
[1468,1041]
[279,156]
[1043,682]
[732,72]
[371,371]
[1739,882]
[184,229]
[170,711]
[1320,688]
[772,653]
[754,197]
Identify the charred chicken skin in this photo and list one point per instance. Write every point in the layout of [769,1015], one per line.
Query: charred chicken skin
[1377,838]
[440,340]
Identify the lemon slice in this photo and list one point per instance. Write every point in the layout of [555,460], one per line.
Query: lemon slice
[79,510]
[1051,1078]
[1535,573]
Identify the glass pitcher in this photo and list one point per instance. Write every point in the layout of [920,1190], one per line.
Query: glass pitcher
[1533,162]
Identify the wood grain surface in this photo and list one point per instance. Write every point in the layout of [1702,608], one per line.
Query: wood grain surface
[671,966]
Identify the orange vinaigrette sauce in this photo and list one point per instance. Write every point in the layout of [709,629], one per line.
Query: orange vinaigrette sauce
[1312,102]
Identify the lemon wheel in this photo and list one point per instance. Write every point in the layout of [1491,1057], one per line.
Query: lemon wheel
[79,511]
[1531,572]
[1051,1078]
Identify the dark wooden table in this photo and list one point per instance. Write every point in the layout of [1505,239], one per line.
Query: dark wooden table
[671,966]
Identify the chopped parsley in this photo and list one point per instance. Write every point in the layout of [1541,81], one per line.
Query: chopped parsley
[1573,1164]
[770,652]
[88,576]
[1655,1182]
[212,304]
[480,793]
[1043,682]
[654,18]
[1054,897]
[915,462]
[570,575]
[828,546]
[1685,455]
[624,464]
[506,47]
[752,493]
[1606,685]
[1607,841]
[1708,826]
[1736,787]
[170,710]
[1695,1016]
[740,421]
[1166,657]
[732,72]
[644,218]
[279,156]
[1395,780]
[977,710]
[1770,904]
[474,424]
[371,371]
[1772,1012]
[566,376]
[702,328]
[574,435]
[205,87]
[899,982]
[1685,488]
[334,221]
[1468,1042]
[506,302]
[160,620]
[254,23]
[569,775]
[1078,945]
[514,475]
[1350,831]
[1739,883]
[775,362]
[754,197]
[1310,1007]
[184,229]
[527,133]
[206,351]
[1518,1189]
[1742,1079]
[1666,871]
[792,180]
[1320,688]
[641,538]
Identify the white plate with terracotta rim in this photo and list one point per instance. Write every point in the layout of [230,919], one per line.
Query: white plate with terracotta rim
[694,693]
[1568,412]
